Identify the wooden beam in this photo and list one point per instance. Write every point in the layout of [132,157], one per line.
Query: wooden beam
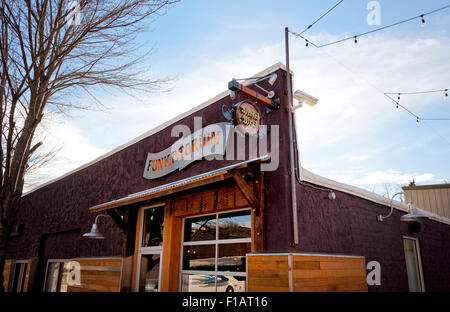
[170,265]
[261,99]
[118,219]
[245,190]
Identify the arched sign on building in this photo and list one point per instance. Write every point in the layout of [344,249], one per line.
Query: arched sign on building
[247,117]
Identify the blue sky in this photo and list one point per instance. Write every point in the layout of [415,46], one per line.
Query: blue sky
[354,135]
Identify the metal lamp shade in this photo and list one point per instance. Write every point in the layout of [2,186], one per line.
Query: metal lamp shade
[413,214]
[94,233]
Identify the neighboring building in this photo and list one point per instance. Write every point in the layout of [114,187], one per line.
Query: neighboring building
[173,224]
[434,198]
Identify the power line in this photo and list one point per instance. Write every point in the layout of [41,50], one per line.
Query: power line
[418,92]
[323,15]
[354,37]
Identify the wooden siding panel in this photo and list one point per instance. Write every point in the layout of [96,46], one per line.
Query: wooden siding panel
[99,275]
[267,273]
[435,200]
[309,273]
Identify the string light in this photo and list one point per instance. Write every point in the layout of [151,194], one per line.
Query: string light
[306,43]
[422,16]
[417,92]
[356,41]
[418,118]
[446,94]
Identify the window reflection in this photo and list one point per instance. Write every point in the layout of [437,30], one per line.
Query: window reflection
[149,279]
[153,227]
[64,266]
[232,257]
[200,229]
[52,277]
[207,283]
[235,225]
[201,258]
[198,283]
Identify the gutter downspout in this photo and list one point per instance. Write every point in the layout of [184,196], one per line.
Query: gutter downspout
[291,145]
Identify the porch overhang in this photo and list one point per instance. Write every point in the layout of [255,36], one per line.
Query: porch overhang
[178,186]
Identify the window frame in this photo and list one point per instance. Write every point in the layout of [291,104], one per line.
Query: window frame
[23,267]
[153,250]
[58,284]
[216,244]
[419,260]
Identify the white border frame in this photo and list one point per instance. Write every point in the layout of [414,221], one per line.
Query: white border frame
[418,257]
[215,242]
[156,250]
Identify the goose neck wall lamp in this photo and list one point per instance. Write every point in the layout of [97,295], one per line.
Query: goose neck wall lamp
[413,213]
[94,233]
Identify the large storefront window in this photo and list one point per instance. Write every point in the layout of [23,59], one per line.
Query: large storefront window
[214,249]
[150,250]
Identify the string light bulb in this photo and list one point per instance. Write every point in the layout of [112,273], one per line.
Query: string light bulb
[417,120]
[307,43]
[423,20]
[398,98]
[446,93]
[356,41]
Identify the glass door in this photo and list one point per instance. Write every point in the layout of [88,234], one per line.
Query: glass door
[150,249]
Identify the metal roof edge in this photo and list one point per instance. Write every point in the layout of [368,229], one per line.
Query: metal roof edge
[183,181]
[359,192]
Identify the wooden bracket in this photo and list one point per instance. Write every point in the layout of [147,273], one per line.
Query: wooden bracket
[118,219]
[246,191]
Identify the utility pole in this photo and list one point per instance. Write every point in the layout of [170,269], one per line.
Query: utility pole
[291,144]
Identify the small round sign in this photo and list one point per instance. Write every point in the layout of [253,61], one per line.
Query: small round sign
[248,117]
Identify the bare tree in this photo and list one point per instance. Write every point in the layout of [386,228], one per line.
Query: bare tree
[49,48]
[390,189]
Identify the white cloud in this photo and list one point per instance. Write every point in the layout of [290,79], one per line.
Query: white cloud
[383,182]
[396,177]
[363,156]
